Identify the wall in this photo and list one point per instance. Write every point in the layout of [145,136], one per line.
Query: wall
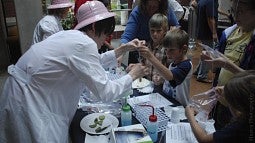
[28,13]
[9,8]
[4,58]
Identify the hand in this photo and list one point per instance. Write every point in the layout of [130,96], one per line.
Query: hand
[129,68]
[134,44]
[194,3]
[119,60]
[190,112]
[219,62]
[137,71]
[145,52]
[220,91]
[205,56]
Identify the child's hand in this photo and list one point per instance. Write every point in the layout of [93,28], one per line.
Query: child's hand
[189,112]
[137,71]
[130,66]
[220,91]
[145,52]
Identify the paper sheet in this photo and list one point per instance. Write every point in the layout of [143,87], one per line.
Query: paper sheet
[180,133]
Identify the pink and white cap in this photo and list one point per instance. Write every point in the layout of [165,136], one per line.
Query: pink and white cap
[90,12]
[55,4]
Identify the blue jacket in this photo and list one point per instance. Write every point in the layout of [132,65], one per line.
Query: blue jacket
[138,25]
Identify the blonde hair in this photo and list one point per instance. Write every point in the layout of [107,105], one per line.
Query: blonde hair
[159,20]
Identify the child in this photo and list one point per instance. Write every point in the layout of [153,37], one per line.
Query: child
[239,93]
[158,26]
[177,76]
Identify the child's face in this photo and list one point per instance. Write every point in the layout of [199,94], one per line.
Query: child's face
[157,34]
[173,53]
[157,78]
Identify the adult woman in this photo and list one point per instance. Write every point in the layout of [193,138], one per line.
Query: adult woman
[51,24]
[40,97]
[138,22]
[237,43]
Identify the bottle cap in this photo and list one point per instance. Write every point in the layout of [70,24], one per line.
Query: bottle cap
[126,108]
[153,118]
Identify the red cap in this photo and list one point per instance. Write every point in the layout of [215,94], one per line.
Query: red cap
[153,118]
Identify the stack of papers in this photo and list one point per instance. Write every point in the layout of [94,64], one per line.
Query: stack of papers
[180,133]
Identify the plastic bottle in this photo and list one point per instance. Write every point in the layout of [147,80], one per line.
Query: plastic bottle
[192,46]
[152,127]
[126,115]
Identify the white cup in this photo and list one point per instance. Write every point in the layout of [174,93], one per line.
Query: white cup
[175,115]
[123,17]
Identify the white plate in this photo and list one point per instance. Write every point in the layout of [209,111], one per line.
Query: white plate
[89,120]
[140,84]
[147,89]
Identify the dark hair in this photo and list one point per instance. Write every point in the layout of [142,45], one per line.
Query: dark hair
[105,26]
[57,12]
[163,6]
[159,20]
[239,93]
[176,37]
[250,3]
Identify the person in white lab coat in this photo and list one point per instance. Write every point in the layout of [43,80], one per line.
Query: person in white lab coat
[41,94]
[51,23]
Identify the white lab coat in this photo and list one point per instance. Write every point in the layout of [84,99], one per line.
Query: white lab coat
[47,26]
[40,97]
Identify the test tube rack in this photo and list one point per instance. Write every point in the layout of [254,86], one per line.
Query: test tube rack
[142,114]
